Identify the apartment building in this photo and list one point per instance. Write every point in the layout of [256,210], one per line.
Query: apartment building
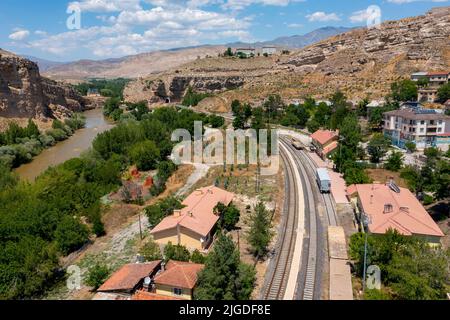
[426,128]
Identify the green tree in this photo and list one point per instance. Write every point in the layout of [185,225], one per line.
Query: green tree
[198,257]
[229,215]
[145,155]
[394,162]
[260,234]
[97,275]
[405,90]
[224,276]
[229,52]
[70,234]
[378,147]
[176,252]
[272,105]
[443,93]
[150,251]
[410,146]
[162,209]
[356,175]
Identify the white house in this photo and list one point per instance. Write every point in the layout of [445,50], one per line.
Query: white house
[269,50]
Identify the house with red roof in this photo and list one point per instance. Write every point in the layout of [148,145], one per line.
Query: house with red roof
[390,207]
[127,280]
[194,225]
[325,142]
[175,281]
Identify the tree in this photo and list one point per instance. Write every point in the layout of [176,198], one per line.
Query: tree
[378,147]
[356,175]
[162,209]
[198,257]
[150,251]
[272,105]
[260,234]
[145,155]
[216,121]
[224,276]
[410,146]
[432,153]
[413,178]
[176,252]
[394,162]
[70,235]
[229,52]
[229,215]
[97,275]
[444,93]
[405,90]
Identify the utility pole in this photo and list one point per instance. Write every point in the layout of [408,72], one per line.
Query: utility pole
[140,225]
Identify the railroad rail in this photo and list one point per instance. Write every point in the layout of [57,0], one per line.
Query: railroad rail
[276,287]
[307,286]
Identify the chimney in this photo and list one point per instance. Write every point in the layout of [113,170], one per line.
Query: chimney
[147,284]
[388,208]
[177,213]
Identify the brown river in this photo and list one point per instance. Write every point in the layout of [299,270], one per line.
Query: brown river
[68,149]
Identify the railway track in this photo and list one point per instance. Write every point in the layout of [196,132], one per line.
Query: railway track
[308,289]
[276,286]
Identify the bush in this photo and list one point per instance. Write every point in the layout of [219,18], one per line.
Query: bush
[150,251]
[70,235]
[394,162]
[198,257]
[145,155]
[57,134]
[176,252]
[97,275]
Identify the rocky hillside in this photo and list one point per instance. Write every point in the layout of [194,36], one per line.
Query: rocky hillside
[25,94]
[362,62]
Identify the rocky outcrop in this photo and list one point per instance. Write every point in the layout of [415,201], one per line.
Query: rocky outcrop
[173,88]
[25,94]
[419,39]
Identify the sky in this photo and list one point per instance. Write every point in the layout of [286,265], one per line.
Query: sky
[61,30]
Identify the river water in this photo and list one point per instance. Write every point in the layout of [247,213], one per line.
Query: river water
[68,149]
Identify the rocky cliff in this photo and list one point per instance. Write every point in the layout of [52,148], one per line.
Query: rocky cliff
[25,94]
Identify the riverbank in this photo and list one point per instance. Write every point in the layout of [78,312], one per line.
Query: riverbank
[65,150]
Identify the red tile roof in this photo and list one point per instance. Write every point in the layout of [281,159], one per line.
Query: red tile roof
[179,274]
[198,213]
[438,73]
[324,136]
[144,295]
[129,276]
[332,146]
[406,214]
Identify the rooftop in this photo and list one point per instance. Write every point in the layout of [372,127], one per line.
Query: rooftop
[129,276]
[324,136]
[179,274]
[146,296]
[417,114]
[388,209]
[198,213]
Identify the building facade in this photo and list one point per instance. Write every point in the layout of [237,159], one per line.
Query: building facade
[269,50]
[248,52]
[421,126]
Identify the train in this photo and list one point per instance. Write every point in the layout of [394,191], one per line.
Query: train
[297,144]
[323,180]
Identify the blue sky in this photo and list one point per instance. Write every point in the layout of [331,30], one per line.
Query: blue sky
[114,28]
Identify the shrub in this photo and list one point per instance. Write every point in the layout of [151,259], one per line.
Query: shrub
[70,235]
[198,257]
[97,275]
[176,252]
[150,251]
[145,155]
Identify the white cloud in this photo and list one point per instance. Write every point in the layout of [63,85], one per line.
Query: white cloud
[323,17]
[295,25]
[19,35]
[105,5]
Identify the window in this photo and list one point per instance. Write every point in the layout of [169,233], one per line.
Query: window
[422,130]
[431,122]
[177,291]
[422,122]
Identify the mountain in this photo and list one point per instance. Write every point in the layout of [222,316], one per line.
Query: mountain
[159,61]
[301,41]
[131,66]
[362,62]
[297,41]
[43,64]
[25,94]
